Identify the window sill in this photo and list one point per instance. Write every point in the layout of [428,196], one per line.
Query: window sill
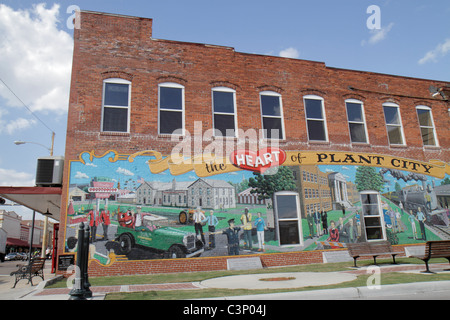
[431,148]
[361,144]
[318,142]
[398,146]
[112,133]
[170,136]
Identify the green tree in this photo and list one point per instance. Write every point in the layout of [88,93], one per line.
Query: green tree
[445,181]
[367,178]
[266,185]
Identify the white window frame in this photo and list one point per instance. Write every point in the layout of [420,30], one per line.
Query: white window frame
[176,86]
[229,90]
[358,122]
[116,81]
[394,105]
[422,107]
[273,94]
[324,120]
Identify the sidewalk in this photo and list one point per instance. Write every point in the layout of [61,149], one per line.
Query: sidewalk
[25,291]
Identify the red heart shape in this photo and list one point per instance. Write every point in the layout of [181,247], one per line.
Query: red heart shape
[259,161]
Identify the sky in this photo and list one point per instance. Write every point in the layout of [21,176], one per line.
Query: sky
[408,38]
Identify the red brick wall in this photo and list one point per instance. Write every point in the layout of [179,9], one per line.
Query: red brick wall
[210,264]
[117,46]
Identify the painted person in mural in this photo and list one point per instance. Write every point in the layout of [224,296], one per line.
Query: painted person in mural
[212,222]
[199,218]
[260,225]
[232,233]
[421,217]
[105,221]
[318,223]
[246,220]
[334,232]
[93,222]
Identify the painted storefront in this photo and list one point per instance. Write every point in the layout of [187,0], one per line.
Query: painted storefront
[143,206]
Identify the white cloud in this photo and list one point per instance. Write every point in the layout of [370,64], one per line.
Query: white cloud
[16,125]
[15,179]
[378,35]
[36,58]
[441,50]
[81,175]
[290,53]
[124,172]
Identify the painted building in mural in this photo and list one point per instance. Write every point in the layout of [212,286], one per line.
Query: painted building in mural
[169,142]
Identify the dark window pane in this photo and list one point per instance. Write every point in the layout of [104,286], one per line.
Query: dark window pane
[116,94]
[270,106]
[428,136]
[391,115]
[374,233]
[289,233]
[115,119]
[169,121]
[424,117]
[369,198]
[357,132]
[273,124]
[395,135]
[287,207]
[170,98]
[225,124]
[313,109]
[354,112]
[223,101]
[316,130]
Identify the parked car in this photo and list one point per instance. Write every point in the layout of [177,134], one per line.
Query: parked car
[22,256]
[12,256]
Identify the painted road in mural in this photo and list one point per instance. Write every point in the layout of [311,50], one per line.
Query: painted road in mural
[138,212]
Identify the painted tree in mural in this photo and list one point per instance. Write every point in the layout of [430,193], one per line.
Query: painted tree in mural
[367,178]
[266,185]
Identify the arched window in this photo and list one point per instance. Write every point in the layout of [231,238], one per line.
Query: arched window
[426,124]
[170,108]
[356,121]
[315,118]
[272,115]
[393,122]
[116,105]
[224,112]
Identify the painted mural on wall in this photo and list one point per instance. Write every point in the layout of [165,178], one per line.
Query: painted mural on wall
[143,206]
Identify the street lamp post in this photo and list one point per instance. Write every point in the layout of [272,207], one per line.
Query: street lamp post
[18,143]
[44,236]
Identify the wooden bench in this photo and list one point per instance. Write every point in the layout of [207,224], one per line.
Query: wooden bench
[371,249]
[34,269]
[435,249]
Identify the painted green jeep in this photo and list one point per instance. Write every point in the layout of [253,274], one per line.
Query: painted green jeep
[155,234]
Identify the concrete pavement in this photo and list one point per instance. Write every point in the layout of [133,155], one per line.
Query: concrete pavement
[441,289]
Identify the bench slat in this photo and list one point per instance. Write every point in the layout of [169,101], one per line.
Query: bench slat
[434,249]
[371,249]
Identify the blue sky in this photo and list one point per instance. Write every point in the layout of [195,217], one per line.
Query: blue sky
[36,50]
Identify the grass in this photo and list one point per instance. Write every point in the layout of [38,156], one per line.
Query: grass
[386,278]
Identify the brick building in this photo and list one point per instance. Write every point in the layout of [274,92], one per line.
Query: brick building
[135,97]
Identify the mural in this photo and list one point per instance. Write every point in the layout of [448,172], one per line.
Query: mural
[144,206]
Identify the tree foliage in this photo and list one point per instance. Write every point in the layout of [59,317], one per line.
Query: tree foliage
[265,185]
[367,178]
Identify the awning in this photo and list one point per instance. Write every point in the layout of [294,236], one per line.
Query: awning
[39,199]
[20,243]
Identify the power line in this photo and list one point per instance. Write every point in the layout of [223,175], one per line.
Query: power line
[34,115]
